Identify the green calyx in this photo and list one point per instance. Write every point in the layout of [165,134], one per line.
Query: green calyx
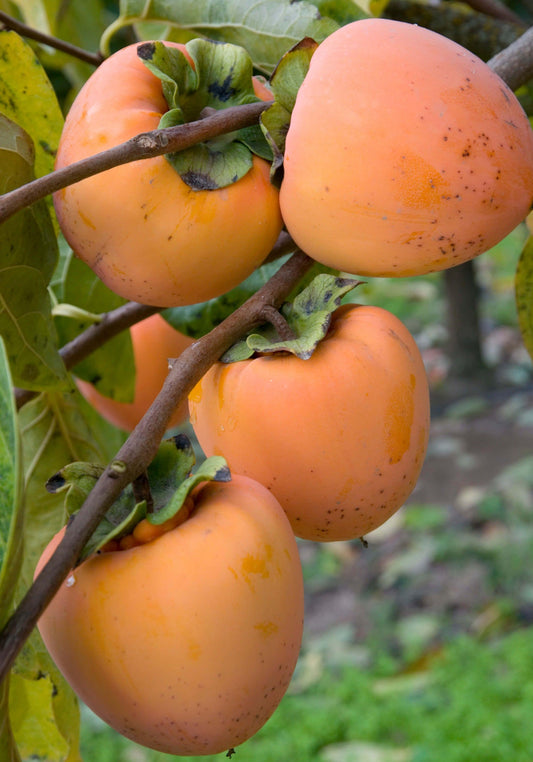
[285,83]
[170,479]
[307,319]
[220,76]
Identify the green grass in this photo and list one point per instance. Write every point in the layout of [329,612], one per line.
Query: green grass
[473,703]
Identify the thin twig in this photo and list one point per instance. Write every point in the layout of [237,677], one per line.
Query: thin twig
[8,22]
[147,145]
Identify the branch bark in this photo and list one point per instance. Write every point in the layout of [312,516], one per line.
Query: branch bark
[515,64]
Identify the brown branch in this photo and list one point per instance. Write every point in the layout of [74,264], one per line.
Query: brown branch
[497,10]
[139,450]
[514,64]
[112,323]
[143,146]
[8,22]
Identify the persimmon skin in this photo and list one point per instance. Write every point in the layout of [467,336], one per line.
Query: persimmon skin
[186,644]
[406,153]
[154,342]
[340,438]
[146,234]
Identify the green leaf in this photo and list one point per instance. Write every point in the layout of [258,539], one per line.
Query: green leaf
[173,463]
[28,255]
[8,750]
[55,711]
[308,317]
[111,367]
[11,505]
[524,294]
[214,468]
[33,709]
[28,98]
[266,29]
[220,77]
[81,23]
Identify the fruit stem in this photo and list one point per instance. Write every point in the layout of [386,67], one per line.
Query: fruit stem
[141,491]
[275,318]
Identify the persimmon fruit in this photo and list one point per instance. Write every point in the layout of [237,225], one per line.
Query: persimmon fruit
[154,342]
[339,438]
[186,643]
[139,226]
[405,154]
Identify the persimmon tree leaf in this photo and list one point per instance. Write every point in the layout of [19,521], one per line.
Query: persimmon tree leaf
[524,294]
[111,367]
[265,28]
[11,503]
[28,256]
[28,99]
[8,749]
[54,708]
[37,710]
[308,317]
[81,23]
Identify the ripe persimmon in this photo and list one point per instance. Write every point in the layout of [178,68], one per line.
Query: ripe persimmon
[405,154]
[147,234]
[338,438]
[187,643]
[154,342]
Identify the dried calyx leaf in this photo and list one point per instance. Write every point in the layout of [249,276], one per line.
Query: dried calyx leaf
[308,317]
[171,481]
[219,76]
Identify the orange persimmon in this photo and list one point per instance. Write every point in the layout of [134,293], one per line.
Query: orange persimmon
[147,234]
[405,153]
[186,644]
[339,438]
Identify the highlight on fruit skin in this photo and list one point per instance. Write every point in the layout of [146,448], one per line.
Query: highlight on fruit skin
[405,154]
[187,642]
[339,438]
[154,342]
[148,235]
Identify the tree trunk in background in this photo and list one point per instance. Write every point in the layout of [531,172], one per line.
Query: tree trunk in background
[467,366]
